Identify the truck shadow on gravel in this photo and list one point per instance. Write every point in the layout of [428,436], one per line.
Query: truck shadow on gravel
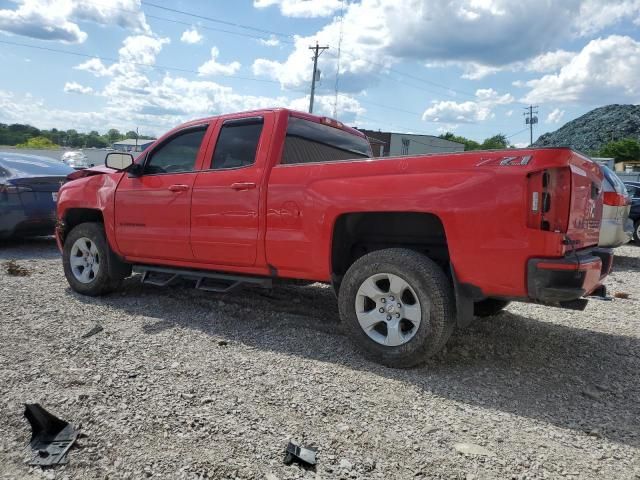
[569,377]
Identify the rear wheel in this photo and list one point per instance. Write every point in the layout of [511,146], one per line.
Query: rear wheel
[398,306]
[636,231]
[489,307]
[85,259]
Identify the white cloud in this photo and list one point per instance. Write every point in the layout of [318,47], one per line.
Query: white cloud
[509,113]
[556,116]
[323,105]
[134,95]
[482,36]
[605,71]
[212,67]
[272,41]
[58,20]
[302,8]
[95,67]
[548,62]
[191,36]
[467,112]
[75,87]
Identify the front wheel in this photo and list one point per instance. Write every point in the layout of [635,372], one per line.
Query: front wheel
[85,260]
[398,306]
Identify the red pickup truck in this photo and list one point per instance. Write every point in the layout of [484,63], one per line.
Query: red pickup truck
[412,245]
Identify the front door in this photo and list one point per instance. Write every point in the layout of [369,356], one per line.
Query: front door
[226,195]
[152,211]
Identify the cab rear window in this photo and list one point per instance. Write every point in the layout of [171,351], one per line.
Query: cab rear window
[311,142]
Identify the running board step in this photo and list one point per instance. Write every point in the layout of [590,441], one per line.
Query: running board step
[205,280]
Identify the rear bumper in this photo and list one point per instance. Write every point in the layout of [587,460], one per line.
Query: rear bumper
[569,278]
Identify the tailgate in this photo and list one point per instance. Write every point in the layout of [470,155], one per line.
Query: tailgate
[585,212]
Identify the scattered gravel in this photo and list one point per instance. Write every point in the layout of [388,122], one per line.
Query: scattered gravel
[186,384]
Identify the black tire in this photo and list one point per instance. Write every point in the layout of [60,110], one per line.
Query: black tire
[636,232]
[489,307]
[432,288]
[102,283]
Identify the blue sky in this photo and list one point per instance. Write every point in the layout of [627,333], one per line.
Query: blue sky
[427,66]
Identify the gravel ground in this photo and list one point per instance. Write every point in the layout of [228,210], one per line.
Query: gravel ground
[188,384]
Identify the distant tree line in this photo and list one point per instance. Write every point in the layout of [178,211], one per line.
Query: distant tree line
[492,143]
[32,137]
[621,150]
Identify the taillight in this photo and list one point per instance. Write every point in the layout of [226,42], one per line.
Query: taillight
[549,200]
[614,199]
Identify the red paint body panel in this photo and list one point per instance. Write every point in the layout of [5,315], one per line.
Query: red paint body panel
[286,222]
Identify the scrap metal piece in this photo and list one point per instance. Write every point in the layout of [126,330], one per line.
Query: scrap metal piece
[302,455]
[95,330]
[51,438]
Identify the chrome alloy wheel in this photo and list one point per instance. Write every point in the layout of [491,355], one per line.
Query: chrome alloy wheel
[388,309]
[85,260]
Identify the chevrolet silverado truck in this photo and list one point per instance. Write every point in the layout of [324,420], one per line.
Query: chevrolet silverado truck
[413,246]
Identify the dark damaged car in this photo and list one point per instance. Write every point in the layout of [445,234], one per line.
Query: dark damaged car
[29,187]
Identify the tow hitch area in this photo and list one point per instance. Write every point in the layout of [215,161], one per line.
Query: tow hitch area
[51,438]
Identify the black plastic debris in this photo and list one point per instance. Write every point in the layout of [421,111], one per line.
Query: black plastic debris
[302,455]
[95,330]
[51,438]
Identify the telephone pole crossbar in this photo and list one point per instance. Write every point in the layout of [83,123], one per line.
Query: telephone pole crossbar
[317,51]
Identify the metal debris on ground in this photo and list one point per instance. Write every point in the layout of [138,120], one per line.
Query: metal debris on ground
[96,329]
[302,455]
[622,295]
[51,438]
[15,269]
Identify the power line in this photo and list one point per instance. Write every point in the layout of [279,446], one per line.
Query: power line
[115,60]
[216,20]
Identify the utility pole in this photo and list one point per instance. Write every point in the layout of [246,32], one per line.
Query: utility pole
[531,119]
[317,51]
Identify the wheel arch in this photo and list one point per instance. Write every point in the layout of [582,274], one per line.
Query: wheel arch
[358,233]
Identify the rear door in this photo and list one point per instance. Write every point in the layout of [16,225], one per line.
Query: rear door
[152,211]
[225,212]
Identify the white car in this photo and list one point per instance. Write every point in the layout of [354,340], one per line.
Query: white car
[75,159]
[616,228]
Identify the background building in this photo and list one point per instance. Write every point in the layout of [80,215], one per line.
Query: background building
[129,145]
[389,144]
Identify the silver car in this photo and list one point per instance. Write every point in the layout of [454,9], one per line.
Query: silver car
[616,228]
[75,159]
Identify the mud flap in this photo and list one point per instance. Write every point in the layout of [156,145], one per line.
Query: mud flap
[51,438]
[464,301]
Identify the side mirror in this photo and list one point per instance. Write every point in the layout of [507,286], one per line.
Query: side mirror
[118,161]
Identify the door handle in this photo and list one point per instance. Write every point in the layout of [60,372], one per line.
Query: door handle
[179,188]
[243,185]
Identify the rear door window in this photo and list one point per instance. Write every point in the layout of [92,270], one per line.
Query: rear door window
[237,143]
[311,142]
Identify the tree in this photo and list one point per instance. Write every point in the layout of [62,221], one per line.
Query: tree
[114,135]
[132,134]
[38,142]
[496,142]
[468,144]
[621,150]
